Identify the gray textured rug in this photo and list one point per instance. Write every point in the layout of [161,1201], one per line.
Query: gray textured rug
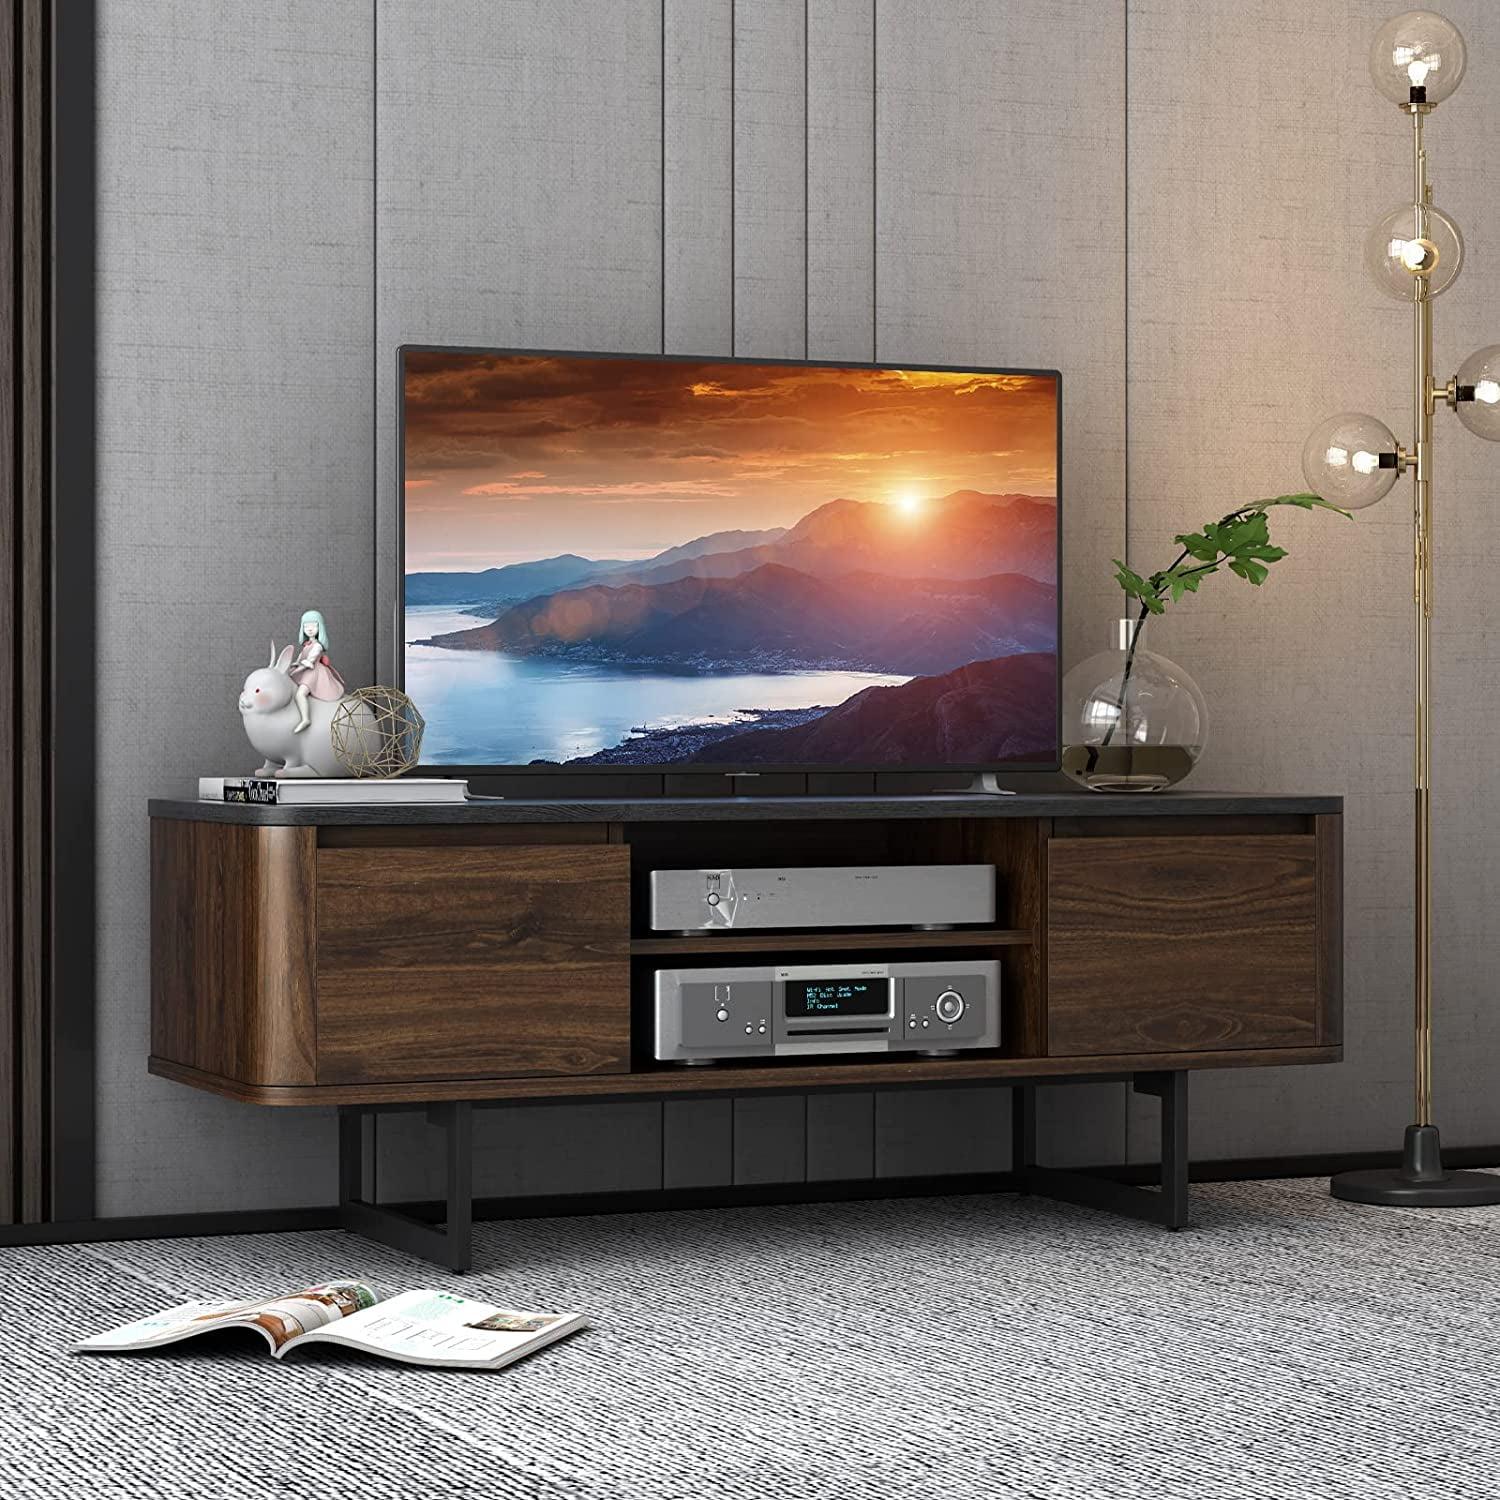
[1289,1346]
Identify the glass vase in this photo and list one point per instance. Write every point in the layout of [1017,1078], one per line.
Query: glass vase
[1132,720]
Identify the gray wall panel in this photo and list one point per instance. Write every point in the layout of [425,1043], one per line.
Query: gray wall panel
[941,1131]
[770,1139]
[770,303]
[1081,1125]
[1463,145]
[841,179]
[840,1137]
[697,1143]
[699,213]
[233,486]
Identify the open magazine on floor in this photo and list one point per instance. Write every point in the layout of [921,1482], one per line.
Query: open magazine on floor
[418,1327]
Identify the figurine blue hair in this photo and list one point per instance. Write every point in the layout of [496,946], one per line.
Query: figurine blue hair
[313,617]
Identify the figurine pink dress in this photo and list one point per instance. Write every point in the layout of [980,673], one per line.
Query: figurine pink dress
[313,673]
[316,673]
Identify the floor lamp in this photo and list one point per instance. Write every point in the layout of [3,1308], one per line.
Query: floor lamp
[1414,252]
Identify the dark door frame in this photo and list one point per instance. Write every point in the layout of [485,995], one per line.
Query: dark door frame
[47,607]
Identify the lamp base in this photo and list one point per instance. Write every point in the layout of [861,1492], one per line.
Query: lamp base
[1420,1181]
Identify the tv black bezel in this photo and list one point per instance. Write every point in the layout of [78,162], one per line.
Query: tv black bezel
[694,768]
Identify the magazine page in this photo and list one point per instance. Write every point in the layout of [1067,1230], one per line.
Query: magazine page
[278,1320]
[165,1327]
[442,1328]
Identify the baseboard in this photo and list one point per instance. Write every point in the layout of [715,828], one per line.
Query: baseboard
[567,1205]
[169,1226]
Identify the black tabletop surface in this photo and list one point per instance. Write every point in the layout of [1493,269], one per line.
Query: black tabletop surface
[757,809]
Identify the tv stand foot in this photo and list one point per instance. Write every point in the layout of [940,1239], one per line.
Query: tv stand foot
[984,785]
[1166,1205]
[450,1245]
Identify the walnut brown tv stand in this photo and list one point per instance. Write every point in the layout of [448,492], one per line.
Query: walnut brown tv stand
[442,957]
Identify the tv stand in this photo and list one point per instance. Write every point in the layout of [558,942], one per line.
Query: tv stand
[985,784]
[445,958]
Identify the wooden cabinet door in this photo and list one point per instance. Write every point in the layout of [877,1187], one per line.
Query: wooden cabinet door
[1183,944]
[499,962]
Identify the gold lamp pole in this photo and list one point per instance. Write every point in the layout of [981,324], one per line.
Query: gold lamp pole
[1414,252]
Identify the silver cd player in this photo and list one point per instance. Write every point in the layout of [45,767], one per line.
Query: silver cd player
[854,896]
[936,1006]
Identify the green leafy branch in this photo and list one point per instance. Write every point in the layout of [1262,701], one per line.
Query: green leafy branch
[1240,541]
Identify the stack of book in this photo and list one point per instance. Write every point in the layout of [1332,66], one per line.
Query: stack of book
[322,791]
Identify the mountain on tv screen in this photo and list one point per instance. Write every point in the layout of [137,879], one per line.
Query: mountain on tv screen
[647,562]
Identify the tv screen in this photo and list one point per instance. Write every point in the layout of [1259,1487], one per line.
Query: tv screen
[655,563]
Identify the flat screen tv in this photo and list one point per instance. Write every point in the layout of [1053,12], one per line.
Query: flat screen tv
[650,563]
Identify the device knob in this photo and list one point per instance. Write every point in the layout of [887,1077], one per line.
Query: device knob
[713,898]
[949,1006]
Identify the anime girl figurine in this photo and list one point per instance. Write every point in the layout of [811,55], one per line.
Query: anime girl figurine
[311,670]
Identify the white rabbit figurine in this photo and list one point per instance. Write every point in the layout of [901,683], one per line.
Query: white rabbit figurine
[289,743]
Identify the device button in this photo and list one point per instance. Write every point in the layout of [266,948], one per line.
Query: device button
[713,898]
[949,1006]
[925,1021]
[749,1029]
[762,1028]
[722,1014]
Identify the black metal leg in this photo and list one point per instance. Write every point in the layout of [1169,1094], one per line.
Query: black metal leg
[451,1245]
[1166,1205]
[1022,1131]
[457,1121]
[1172,1090]
[351,1154]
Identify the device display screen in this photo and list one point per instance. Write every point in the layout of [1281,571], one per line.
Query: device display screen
[806,998]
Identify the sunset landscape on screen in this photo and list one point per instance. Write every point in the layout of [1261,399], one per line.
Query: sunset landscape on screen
[648,562]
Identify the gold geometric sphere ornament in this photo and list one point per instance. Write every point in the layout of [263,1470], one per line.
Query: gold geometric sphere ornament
[377,732]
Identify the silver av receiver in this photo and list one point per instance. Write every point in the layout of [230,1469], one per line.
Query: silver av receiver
[935,1006]
[859,896]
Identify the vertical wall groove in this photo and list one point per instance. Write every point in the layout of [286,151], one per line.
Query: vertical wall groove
[11,305]
[30,642]
[1125,1089]
[1125,272]
[662,23]
[34,637]
[734,268]
[383,670]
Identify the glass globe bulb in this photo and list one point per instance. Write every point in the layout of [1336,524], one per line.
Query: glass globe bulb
[1411,241]
[1480,372]
[1418,57]
[1342,460]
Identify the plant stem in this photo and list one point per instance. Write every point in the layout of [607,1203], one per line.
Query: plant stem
[1135,639]
[1135,636]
